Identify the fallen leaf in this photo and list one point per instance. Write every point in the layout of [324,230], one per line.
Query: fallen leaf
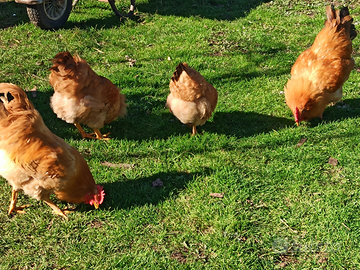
[333,161]
[130,60]
[301,142]
[217,195]
[157,183]
[118,165]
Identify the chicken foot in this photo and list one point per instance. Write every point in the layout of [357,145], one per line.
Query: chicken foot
[56,209]
[97,133]
[13,207]
[100,136]
[193,128]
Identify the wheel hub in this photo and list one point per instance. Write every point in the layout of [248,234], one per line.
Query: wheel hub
[54,9]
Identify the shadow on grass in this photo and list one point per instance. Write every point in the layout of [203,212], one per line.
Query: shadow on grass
[105,23]
[144,121]
[148,118]
[126,193]
[210,9]
[239,124]
[12,14]
[245,124]
[347,108]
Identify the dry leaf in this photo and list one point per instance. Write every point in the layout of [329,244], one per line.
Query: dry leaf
[333,161]
[131,61]
[157,183]
[301,142]
[118,165]
[217,195]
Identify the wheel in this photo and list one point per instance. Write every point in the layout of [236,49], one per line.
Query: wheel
[117,12]
[50,14]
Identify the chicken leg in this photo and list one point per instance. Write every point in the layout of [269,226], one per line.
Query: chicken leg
[55,208]
[12,207]
[97,133]
[193,131]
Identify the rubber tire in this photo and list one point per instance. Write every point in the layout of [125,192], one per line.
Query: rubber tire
[38,17]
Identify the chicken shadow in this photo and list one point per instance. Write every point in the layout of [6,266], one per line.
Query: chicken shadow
[236,123]
[12,14]
[147,118]
[245,124]
[126,193]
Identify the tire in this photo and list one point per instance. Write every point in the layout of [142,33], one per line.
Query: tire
[50,14]
[117,12]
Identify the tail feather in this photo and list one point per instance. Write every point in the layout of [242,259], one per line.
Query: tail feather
[179,69]
[341,19]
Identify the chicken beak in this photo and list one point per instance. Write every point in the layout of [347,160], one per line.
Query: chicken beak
[297,124]
[96,205]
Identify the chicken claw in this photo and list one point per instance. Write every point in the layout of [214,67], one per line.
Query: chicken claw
[13,207]
[97,133]
[55,208]
[100,136]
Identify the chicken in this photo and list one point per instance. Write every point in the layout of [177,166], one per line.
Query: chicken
[36,161]
[192,99]
[83,97]
[319,72]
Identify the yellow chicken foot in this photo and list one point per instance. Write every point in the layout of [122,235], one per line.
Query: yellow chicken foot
[82,132]
[100,136]
[13,207]
[56,209]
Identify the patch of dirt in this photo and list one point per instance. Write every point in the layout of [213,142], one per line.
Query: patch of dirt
[179,255]
[96,224]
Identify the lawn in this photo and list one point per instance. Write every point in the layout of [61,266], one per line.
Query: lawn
[283,204]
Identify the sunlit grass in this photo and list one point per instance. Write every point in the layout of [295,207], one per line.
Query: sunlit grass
[283,205]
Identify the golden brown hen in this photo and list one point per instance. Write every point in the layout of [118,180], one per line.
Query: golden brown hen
[192,99]
[36,161]
[83,97]
[319,72]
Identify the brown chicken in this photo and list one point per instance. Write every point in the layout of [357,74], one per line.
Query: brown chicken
[36,161]
[319,72]
[83,97]
[192,99]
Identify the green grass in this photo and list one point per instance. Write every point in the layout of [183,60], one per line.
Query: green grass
[283,207]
